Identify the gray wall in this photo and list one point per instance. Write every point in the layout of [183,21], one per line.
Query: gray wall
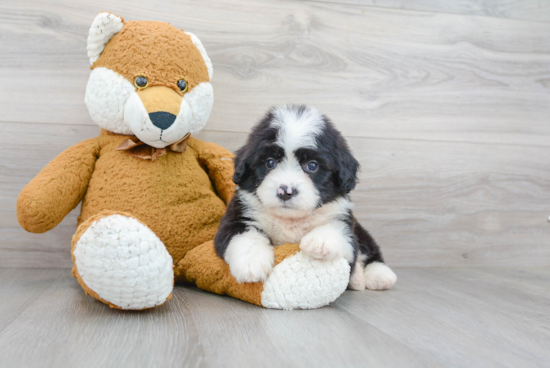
[445,104]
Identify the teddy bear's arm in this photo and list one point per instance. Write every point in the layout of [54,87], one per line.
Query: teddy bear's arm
[219,163]
[58,188]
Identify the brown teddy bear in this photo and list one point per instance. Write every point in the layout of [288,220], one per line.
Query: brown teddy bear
[152,196]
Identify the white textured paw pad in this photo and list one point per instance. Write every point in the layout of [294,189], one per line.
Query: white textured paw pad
[378,276]
[301,282]
[125,263]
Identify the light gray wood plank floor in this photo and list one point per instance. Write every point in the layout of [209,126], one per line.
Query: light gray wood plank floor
[433,317]
[533,10]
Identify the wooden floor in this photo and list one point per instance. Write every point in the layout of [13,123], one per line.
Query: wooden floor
[432,318]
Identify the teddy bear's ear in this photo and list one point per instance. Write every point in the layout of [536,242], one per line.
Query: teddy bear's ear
[105,26]
[205,57]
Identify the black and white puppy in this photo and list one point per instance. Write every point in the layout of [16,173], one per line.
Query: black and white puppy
[293,177]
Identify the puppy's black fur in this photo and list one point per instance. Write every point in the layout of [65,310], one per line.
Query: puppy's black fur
[335,178]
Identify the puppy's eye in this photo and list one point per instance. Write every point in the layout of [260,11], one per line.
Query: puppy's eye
[312,166]
[182,85]
[140,82]
[270,163]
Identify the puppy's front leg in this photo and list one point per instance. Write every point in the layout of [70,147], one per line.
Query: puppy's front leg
[331,241]
[250,256]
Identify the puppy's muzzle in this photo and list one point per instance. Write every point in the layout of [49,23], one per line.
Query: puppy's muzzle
[285,193]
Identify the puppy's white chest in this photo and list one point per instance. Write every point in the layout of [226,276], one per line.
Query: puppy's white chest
[288,230]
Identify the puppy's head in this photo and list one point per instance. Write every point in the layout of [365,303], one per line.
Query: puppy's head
[295,161]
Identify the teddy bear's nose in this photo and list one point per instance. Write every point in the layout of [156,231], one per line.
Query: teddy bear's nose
[162,119]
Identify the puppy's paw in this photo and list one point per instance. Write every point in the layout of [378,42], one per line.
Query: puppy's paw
[254,268]
[324,243]
[250,257]
[357,279]
[378,276]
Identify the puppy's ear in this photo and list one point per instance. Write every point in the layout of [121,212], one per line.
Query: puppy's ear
[242,164]
[347,170]
[346,166]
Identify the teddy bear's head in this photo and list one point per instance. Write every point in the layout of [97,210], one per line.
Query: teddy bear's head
[149,79]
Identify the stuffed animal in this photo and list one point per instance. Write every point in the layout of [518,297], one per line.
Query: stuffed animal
[152,196]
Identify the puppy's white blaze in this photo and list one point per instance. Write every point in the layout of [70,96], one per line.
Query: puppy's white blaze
[328,242]
[296,131]
[106,95]
[378,276]
[250,257]
[289,172]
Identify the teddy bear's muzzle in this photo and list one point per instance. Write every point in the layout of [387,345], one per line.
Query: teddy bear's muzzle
[158,116]
[162,119]
[162,103]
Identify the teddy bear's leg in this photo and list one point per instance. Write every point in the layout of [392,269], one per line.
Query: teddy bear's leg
[296,282]
[121,262]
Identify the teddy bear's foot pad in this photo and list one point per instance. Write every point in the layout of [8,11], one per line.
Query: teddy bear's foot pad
[124,263]
[301,282]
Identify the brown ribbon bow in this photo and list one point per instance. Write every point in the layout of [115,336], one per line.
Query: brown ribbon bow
[145,152]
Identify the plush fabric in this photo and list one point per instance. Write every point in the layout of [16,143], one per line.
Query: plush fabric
[106,95]
[151,207]
[180,197]
[105,26]
[136,50]
[140,150]
[173,195]
[58,188]
[203,267]
[296,282]
[102,269]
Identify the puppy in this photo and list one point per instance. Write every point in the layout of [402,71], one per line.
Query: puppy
[294,176]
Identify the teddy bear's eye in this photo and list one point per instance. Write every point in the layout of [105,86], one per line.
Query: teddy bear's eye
[141,82]
[182,85]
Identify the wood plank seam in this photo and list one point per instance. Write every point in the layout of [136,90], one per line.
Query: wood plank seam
[347,136]
[343,3]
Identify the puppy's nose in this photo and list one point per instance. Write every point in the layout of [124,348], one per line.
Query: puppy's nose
[162,119]
[285,193]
